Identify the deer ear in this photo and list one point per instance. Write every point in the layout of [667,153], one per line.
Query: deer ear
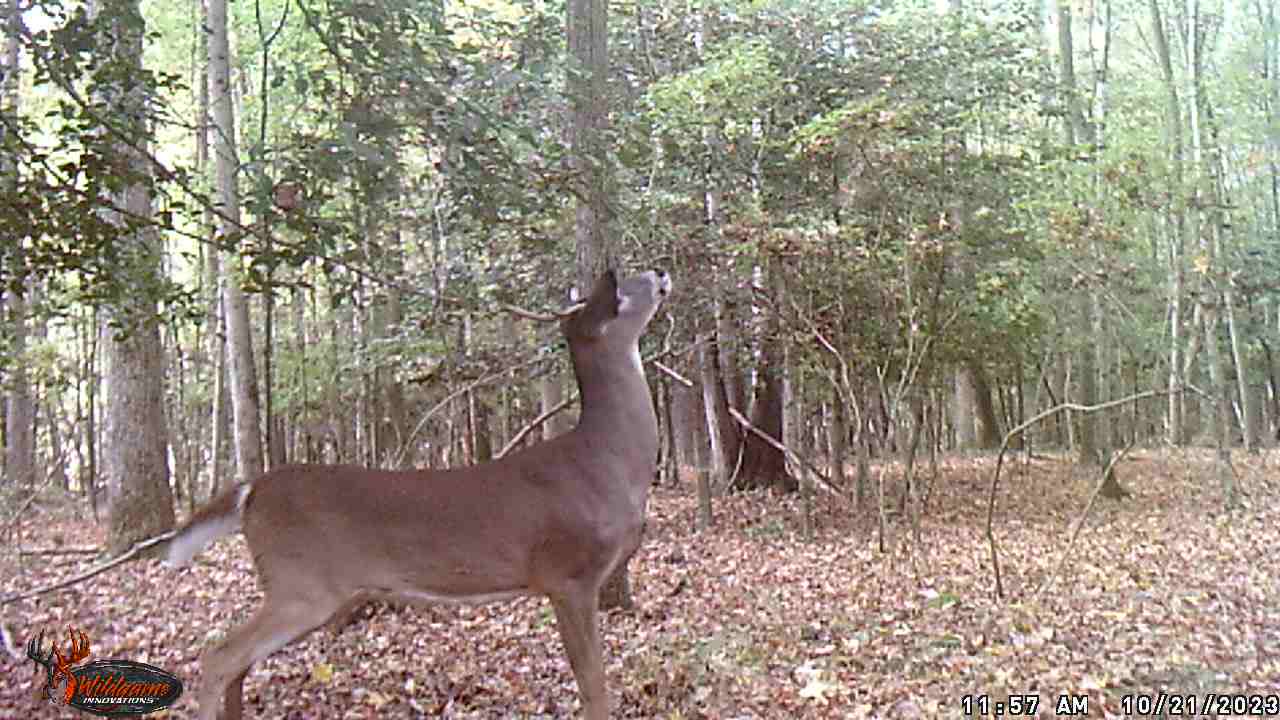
[602,306]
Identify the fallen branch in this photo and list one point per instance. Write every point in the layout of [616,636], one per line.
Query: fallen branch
[41,552]
[93,571]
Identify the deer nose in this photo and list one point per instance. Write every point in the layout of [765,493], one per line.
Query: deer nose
[664,281]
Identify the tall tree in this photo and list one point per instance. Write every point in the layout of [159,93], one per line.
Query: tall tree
[1206,225]
[589,65]
[19,451]
[242,370]
[589,51]
[763,464]
[1175,221]
[215,317]
[135,457]
[1078,129]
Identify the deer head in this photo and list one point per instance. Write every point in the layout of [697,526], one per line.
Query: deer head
[553,519]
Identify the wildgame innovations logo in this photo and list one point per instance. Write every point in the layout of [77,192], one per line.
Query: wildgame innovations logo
[102,687]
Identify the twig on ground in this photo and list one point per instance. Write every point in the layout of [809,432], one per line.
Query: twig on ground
[93,571]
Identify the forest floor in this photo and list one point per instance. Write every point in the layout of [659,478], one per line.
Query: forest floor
[1162,593]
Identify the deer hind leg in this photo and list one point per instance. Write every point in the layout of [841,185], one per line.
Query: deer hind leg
[579,624]
[276,624]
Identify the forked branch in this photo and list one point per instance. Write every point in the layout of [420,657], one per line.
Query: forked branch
[1004,447]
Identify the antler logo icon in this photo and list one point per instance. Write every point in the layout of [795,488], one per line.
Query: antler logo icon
[58,666]
[109,687]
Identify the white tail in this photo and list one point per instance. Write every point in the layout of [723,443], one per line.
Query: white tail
[553,519]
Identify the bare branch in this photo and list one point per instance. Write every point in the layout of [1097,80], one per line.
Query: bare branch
[1004,447]
[491,377]
[797,459]
[45,552]
[672,373]
[1075,532]
[515,439]
[93,571]
[543,317]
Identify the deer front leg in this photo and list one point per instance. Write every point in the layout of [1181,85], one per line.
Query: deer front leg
[578,621]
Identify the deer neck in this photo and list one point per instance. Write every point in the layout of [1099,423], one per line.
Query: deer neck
[616,404]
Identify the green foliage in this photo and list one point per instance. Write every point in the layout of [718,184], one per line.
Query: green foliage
[901,168]
[724,94]
[74,161]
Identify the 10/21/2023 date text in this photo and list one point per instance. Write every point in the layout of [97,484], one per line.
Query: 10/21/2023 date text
[1235,705]
[1217,704]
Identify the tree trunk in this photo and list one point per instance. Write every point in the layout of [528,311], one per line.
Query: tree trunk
[988,427]
[1075,130]
[89,472]
[1175,421]
[837,434]
[19,436]
[728,388]
[396,412]
[793,436]
[552,393]
[764,466]
[136,447]
[690,424]
[588,44]
[714,473]
[241,368]
[1209,232]
[669,468]
[962,413]
[19,453]
[215,317]
[973,413]
[1248,426]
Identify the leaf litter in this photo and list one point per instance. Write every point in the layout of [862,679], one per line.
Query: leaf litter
[1164,592]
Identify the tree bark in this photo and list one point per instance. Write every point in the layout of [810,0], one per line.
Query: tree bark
[215,317]
[19,451]
[136,448]
[985,413]
[551,389]
[241,368]
[1210,245]
[1175,420]
[714,474]
[19,436]
[962,413]
[763,465]
[728,387]
[837,444]
[589,47]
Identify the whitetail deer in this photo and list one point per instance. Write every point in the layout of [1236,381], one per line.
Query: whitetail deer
[553,519]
